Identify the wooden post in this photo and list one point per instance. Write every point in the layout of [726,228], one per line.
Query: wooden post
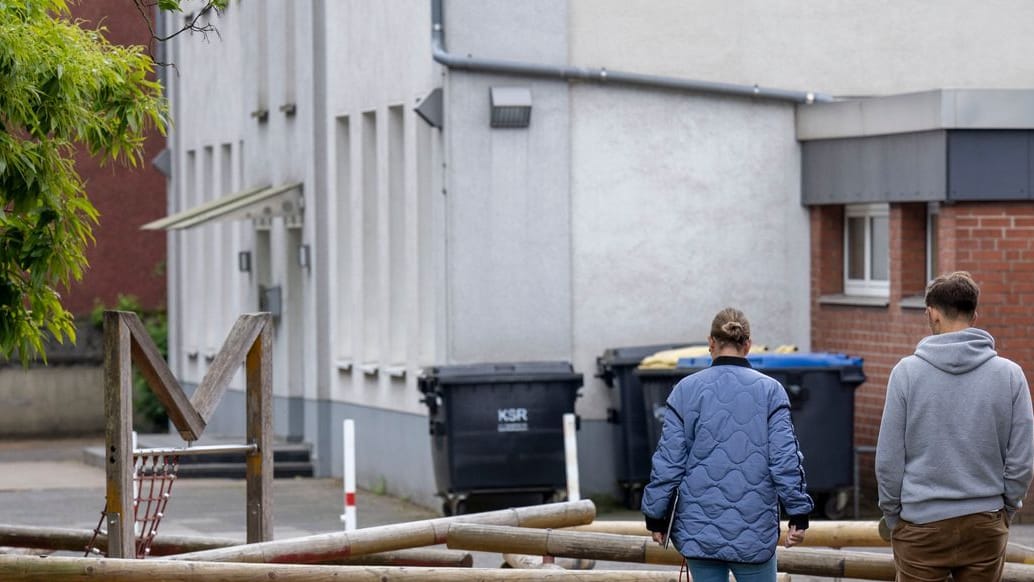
[385,538]
[163,384]
[259,464]
[59,569]
[118,448]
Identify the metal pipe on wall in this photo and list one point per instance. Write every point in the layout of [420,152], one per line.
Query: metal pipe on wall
[602,74]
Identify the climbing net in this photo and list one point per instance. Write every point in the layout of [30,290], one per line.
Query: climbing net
[153,476]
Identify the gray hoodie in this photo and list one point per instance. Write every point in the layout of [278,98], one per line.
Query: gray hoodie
[957,435]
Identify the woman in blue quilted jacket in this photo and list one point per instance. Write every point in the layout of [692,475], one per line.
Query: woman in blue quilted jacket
[729,449]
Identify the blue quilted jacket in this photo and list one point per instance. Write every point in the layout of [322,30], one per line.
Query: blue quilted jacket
[730,448]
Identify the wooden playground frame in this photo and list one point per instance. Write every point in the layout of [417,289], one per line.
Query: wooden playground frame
[126,342]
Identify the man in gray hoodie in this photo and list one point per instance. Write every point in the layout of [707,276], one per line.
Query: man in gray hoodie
[955,453]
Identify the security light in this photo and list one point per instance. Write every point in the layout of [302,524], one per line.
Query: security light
[511,106]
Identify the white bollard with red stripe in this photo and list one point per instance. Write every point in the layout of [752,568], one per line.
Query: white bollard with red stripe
[349,517]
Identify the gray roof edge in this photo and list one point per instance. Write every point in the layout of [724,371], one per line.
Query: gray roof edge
[940,109]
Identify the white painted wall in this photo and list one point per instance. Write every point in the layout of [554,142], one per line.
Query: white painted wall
[387,240]
[509,205]
[844,48]
[214,91]
[672,224]
[205,84]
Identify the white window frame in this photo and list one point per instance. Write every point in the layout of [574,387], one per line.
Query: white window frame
[866,286]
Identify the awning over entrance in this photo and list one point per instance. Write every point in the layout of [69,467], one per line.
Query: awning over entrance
[263,202]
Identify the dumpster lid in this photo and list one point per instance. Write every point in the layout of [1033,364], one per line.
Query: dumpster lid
[503,372]
[770,361]
[669,359]
[635,354]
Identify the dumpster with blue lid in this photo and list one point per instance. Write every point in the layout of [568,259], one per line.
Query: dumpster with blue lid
[497,429]
[820,387]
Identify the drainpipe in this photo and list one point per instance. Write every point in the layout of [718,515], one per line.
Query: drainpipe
[601,75]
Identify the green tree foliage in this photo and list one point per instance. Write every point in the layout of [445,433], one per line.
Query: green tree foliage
[61,86]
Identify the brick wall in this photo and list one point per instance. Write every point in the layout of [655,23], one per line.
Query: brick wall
[124,259]
[994,242]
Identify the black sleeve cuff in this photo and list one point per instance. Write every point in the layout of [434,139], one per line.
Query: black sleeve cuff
[799,521]
[656,525]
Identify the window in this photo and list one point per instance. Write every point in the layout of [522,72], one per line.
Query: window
[867,250]
[932,210]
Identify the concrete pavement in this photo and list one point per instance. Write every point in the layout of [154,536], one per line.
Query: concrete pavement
[45,483]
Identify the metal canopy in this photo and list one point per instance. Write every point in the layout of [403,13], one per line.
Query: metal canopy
[944,145]
[262,202]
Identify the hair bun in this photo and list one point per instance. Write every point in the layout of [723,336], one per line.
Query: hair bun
[730,326]
[735,331]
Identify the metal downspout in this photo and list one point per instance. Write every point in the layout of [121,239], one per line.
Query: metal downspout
[601,75]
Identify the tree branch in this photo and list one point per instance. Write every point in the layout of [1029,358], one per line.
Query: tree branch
[144,6]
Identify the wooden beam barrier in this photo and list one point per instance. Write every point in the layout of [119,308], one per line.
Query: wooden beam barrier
[385,538]
[610,547]
[1019,554]
[413,557]
[59,569]
[825,534]
[75,540]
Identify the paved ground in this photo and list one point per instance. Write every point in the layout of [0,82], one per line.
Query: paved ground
[46,483]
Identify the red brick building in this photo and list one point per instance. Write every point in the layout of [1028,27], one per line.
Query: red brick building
[124,258]
[894,203]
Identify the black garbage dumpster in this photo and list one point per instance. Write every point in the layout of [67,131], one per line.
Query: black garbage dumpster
[497,429]
[633,447]
[821,391]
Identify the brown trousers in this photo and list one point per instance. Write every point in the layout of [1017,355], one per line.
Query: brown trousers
[970,548]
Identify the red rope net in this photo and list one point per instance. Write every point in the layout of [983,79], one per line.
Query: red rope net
[153,476]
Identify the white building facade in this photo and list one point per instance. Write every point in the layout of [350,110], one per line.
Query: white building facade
[622,214]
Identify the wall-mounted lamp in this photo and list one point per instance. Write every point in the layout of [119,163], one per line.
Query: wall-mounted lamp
[511,106]
[303,256]
[244,261]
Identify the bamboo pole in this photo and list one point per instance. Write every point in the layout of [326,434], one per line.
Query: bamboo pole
[416,534]
[59,569]
[75,540]
[805,561]
[826,534]
[1019,553]
[419,557]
